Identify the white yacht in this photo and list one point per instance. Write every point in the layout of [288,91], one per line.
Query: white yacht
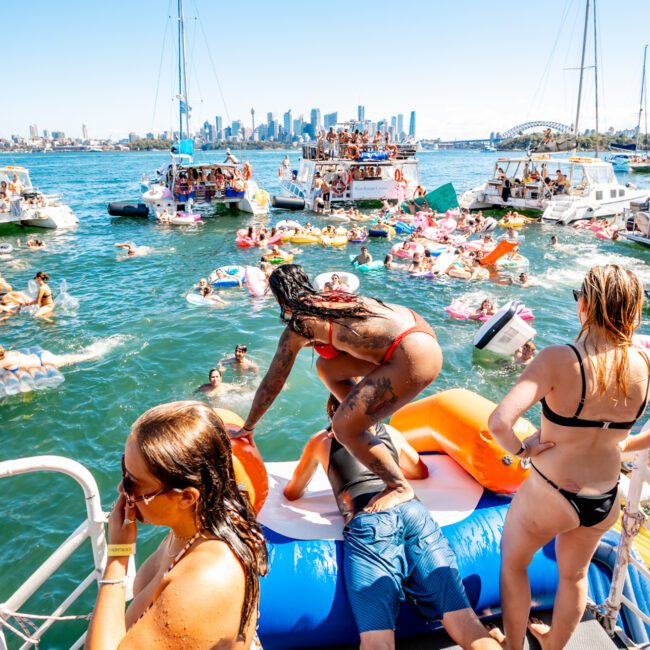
[353,173]
[528,183]
[26,205]
[183,185]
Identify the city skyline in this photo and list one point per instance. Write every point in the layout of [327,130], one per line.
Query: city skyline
[479,70]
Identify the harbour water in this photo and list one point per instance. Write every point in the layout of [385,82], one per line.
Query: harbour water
[159,348]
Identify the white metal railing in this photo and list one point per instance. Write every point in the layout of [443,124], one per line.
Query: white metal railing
[92,528]
[633,520]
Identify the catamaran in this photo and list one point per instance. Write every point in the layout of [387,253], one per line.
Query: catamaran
[371,172]
[584,188]
[182,185]
[27,206]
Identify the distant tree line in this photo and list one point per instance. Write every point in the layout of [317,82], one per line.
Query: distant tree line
[148,144]
[585,142]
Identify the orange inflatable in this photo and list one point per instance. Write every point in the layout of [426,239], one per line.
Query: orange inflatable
[247,462]
[455,422]
[501,249]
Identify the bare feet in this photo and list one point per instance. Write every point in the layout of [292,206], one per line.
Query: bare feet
[496,633]
[390,497]
[539,630]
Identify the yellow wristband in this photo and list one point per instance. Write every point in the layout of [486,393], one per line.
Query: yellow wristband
[120,550]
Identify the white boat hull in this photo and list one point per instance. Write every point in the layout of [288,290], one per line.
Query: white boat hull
[54,217]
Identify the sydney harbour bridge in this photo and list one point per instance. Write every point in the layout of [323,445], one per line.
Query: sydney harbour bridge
[519,129]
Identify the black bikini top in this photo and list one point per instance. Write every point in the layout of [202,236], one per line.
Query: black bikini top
[575,421]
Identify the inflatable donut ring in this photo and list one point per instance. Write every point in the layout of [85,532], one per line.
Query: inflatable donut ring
[247,462]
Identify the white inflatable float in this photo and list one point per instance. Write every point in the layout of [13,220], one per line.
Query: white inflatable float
[349,280]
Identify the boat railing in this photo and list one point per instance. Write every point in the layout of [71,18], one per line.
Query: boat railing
[633,520]
[312,150]
[92,528]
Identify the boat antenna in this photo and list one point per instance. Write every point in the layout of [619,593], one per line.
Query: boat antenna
[596,74]
[641,103]
[582,73]
[182,74]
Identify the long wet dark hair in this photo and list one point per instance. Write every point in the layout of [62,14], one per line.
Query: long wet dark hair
[185,444]
[293,291]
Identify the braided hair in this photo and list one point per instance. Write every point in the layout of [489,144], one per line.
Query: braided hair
[295,294]
[185,444]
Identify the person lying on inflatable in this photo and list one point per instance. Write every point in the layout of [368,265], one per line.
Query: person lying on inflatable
[390,553]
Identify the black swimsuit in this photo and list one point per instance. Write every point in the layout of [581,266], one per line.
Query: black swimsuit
[591,510]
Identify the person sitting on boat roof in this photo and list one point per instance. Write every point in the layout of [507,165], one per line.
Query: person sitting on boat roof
[400,551]
[230,158]
[177,473]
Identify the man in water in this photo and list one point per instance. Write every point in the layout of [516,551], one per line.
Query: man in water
[390,553]
[364,257]
[553,240]
[526,353]
[239,362]
[216,386]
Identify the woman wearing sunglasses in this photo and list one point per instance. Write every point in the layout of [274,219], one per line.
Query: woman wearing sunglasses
[177,472]
[592,392]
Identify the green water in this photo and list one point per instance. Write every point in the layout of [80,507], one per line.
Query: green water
[165,346]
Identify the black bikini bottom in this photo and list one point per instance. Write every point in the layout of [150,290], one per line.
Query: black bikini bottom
[591,510]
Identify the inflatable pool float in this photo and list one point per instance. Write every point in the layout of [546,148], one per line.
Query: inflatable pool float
[467,470]
[502,248]
[375,265]
[407,250]
[462,311]
[338,218]
[601,234]
[436,248]
[201,301]
[256,281]
[304,238]
[512,222]
[288,224]
[236,276]
[447,225]
[336,240]
[64,300]
[516,263]
[280,260]
[157,193]
[359,240]
[402,228]
[6,248]
[350,280]
[184,218]
[505,332]
[26,381]
[381,231]
[244,241]
[489,225]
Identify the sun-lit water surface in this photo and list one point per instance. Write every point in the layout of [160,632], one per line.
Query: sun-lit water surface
[161,348]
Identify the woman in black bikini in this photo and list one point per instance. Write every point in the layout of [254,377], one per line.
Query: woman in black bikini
[592,392]
[200,587]
[391,347]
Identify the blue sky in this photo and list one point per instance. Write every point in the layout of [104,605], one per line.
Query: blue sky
[466,66]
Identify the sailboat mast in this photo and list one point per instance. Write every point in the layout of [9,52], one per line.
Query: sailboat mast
[582,71]
[596,72]
[643,90]
[182,74]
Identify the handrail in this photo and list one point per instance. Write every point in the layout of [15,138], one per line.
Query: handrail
[633,520]
[92,528]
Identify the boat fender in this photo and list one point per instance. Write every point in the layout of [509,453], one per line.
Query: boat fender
[288,203]
[122,209]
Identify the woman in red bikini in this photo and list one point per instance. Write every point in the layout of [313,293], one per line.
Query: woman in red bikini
[391,348]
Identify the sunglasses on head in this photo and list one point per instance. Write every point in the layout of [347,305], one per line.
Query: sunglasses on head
[577,294]
[128,487]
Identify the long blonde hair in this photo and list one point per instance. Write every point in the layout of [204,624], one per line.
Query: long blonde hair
[612,299]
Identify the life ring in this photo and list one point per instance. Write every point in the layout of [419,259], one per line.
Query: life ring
[183,187]
[247,461]
[391,148]
[339,186]
[352,152]
[248,172]
[399,177]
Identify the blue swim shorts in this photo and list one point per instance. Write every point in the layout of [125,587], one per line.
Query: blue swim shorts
[396,553]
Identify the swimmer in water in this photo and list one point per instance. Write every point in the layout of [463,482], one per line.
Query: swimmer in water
[216,386]
[132,250]
[15,361]
[526,353]
[44,299]
[364,257]
[486,309]
[209,294]
[10,300]
[239,362]
[553,240]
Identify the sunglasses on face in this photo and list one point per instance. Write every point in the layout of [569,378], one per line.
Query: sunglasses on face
[577,294]
[128,487]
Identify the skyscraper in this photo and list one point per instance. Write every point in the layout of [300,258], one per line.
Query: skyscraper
[235,128]
[412,125]
[298,123]
[218,122]
[33,131]
[315,120]
[361,113]
[330,119]
[288,126]
[84,132]
[400,124]
[272,129]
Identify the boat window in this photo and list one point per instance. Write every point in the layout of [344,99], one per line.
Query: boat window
[621,192]
[612,194]
[599,195]
[601,174]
